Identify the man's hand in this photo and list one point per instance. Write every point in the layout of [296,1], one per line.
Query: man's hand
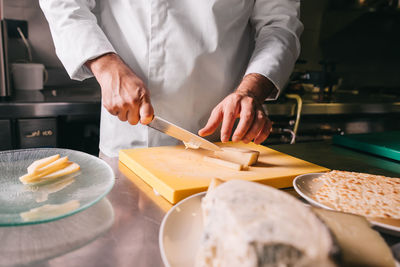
[245,103]
[123,93]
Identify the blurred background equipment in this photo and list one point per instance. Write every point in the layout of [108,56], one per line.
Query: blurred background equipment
[346,80]
[5,89]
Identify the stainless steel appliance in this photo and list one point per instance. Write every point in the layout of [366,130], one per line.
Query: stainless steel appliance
[6,141]
[37,132]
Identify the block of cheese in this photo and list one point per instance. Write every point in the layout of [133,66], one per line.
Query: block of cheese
[359,244]
[247,224]
[37,164]
[224,163]
[242,156]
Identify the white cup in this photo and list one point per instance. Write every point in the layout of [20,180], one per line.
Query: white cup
[28,76]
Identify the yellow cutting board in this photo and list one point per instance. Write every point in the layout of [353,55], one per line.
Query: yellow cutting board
[176,173]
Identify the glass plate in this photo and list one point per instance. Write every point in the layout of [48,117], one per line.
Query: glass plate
[74,192]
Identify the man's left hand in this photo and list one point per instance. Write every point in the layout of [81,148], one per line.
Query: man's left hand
[245,103]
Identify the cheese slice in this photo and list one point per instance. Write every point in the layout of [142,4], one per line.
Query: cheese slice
[37,164]
[247,224]
[70,168]
[224,163]
[360,245]
[52,167]
[242,156]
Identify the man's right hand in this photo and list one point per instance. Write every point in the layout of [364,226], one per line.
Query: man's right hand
[123,93]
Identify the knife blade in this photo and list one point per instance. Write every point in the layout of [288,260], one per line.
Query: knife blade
[179,133]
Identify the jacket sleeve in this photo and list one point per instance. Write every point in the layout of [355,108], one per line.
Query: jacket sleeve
[277,46]
[76,34]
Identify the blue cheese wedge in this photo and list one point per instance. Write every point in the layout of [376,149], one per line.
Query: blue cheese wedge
[249,225]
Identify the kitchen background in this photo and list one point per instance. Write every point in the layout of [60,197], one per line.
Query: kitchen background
[347,80]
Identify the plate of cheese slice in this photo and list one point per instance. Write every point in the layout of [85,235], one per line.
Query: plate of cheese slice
[46,184]
[375,197]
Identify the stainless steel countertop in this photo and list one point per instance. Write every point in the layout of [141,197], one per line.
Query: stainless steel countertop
[132,240]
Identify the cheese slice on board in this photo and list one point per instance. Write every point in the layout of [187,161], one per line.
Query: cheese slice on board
[224,163]
[242,156]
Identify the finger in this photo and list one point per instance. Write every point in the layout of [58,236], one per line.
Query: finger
[264,133]
[122,114]
[133,115]
[112,111]
[231,112]
[146,111]
[246,120]
[256,127]
[213,122]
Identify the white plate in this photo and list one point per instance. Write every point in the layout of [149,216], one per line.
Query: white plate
[306,187]
[182,228]
[181,231]
[86,187]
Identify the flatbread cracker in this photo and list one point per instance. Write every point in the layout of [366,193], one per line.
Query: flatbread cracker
[373,196]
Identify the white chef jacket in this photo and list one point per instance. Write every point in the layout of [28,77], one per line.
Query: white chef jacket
[190,53]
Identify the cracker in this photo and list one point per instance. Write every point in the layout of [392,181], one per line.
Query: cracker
[365,194]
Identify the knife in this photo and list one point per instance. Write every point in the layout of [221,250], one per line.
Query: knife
[179,133]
